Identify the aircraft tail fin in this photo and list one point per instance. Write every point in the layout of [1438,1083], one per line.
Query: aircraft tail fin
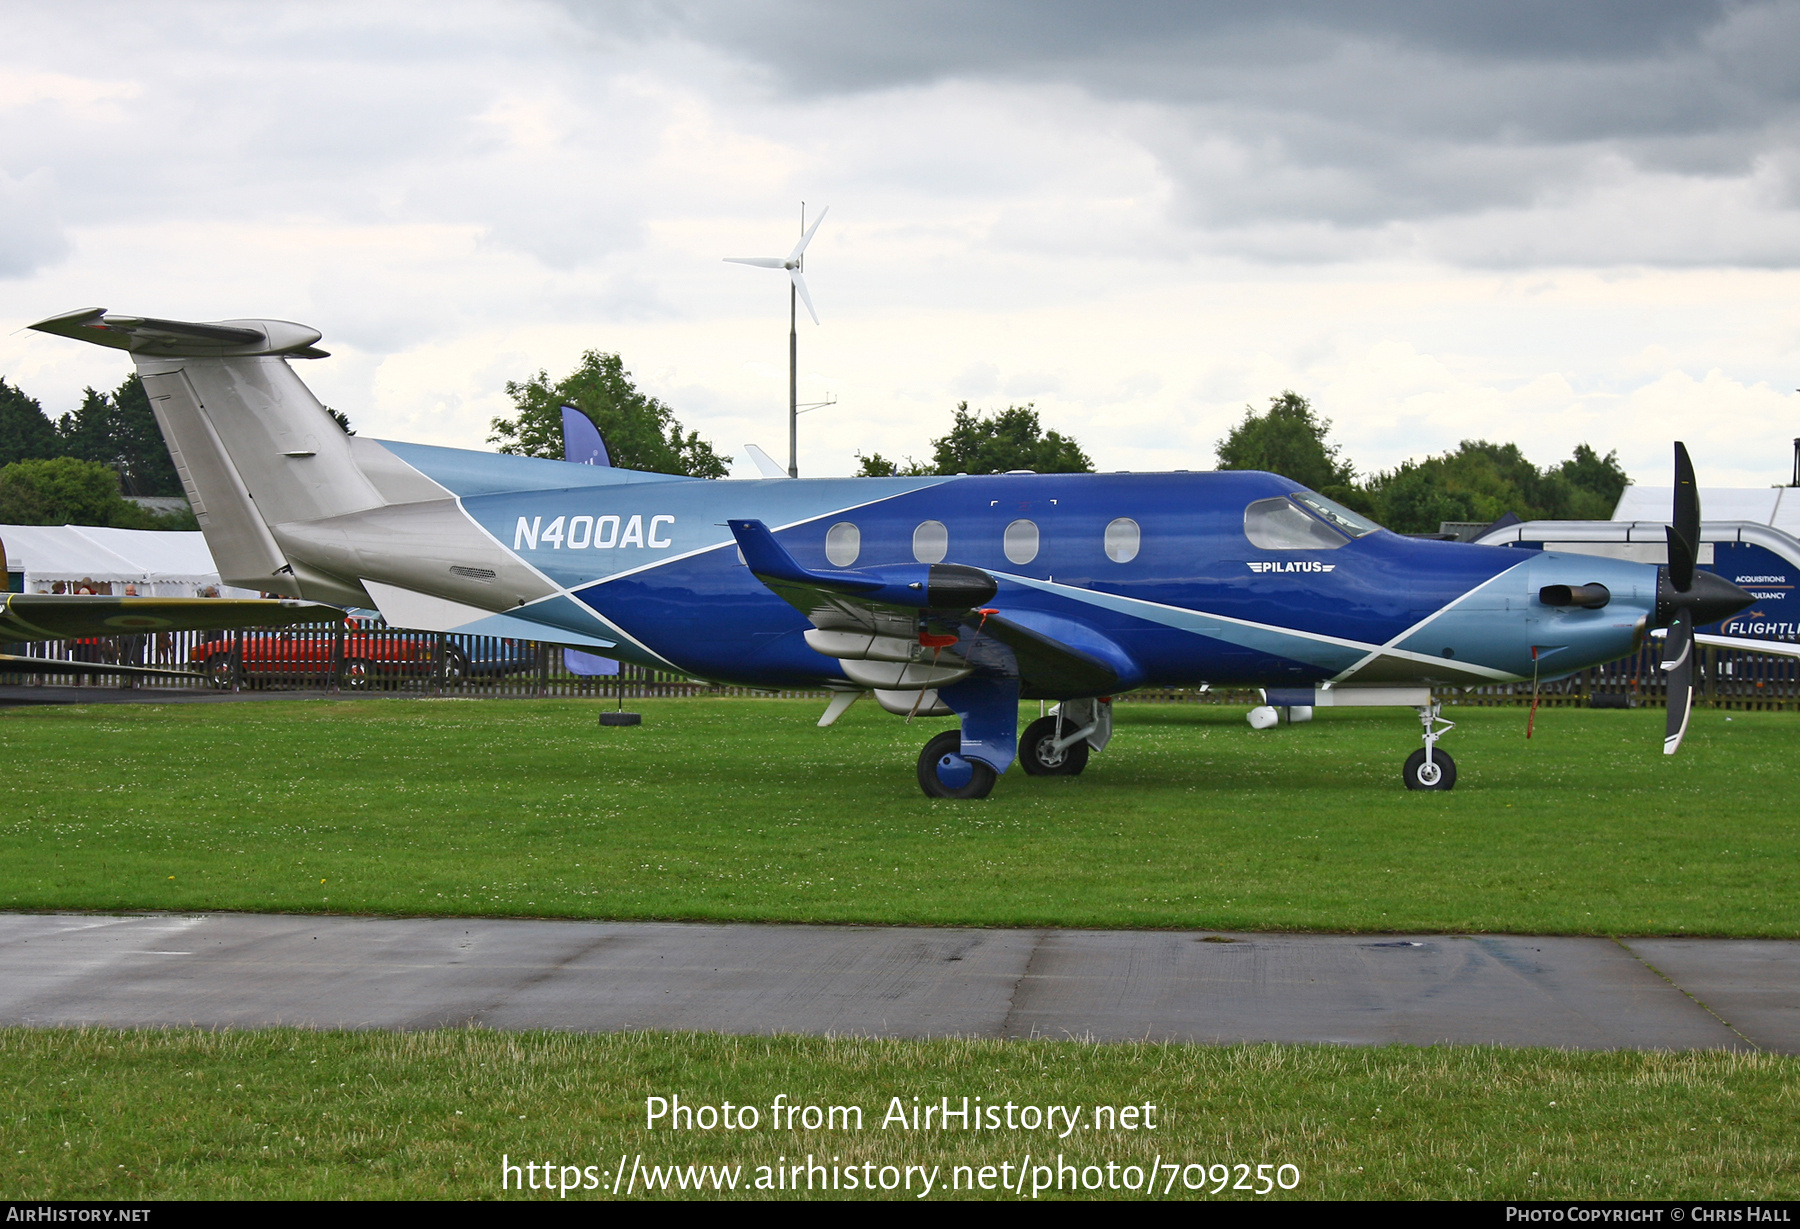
[582,443]
[254,448]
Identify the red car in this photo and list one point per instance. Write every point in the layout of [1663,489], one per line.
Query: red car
[368,655]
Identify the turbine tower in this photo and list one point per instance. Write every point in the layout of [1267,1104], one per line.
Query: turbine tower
[794,263]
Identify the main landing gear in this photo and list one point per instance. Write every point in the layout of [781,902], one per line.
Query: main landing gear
[1053,748]
[945,773]
[1429,768]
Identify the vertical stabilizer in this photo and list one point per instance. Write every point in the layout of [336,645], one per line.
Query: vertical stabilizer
[241,545]
[289,502]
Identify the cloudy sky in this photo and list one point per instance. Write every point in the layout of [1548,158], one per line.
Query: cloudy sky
[1546,222]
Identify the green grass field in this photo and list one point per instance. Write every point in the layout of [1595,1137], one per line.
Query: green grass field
[741,809]
[293,1114]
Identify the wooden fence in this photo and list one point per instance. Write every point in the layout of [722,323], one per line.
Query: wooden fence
[430,663]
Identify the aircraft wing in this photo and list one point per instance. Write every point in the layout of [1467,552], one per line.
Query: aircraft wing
[55,616]
[1048,664]
[1777,648]
[878,614]
[14,663]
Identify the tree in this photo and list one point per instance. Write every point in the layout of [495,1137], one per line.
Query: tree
[1288,439]
[1601,479]
[877,466]
[1011,439]
[138,447]
[71,491]
[640,431]
[120,431]
[25,431]
[1481,482]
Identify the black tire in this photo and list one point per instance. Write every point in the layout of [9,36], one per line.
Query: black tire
[949,743]
[359,674]
[1039,757]
[219,672]
[456,666]
[1414,772]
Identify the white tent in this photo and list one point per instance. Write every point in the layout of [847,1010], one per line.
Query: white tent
[152,562]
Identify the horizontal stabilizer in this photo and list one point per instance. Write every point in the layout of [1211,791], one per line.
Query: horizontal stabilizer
[155,338]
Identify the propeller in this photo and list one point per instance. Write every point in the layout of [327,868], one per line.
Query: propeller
[1686,597]
[792,263]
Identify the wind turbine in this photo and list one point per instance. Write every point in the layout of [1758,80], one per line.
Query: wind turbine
[794,264]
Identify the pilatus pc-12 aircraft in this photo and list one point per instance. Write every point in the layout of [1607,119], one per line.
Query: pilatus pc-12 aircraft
[941,595]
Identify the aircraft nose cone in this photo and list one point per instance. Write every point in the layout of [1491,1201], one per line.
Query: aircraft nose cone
[1711,598]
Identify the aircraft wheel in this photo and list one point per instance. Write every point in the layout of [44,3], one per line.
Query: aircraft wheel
[218,671]
[1441,776]
[944,773]
[359,675]
[456,666]
[1039,757]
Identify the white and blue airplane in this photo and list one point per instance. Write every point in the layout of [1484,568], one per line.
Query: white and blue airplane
[940,595]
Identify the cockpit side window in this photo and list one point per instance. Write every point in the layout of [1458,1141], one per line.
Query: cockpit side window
[1277,524]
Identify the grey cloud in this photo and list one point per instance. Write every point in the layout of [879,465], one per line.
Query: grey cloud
[349,115]
[1340,121]
[832,45]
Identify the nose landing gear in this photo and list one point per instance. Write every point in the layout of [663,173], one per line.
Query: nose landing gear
[1429,768]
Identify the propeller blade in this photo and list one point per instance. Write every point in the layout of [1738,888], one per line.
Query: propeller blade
[805,239]
[761,262]
[1679,642]
[1684,532]
[800,285]
[1678,662]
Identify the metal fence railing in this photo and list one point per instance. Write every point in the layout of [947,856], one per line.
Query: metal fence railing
[349,660]
[353,660]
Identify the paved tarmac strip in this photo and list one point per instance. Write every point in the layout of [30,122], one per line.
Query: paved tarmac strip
[249,971]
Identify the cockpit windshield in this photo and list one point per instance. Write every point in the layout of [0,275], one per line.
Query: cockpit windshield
[1303,521]
[1335,514]
[1278,524]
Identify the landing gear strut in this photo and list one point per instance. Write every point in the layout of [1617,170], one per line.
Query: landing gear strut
[945,773]
[1429,768]
[1053,747]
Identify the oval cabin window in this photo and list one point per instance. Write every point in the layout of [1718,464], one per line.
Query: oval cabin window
[931,542]
[843,543]
[1122,539]
[1020,541]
